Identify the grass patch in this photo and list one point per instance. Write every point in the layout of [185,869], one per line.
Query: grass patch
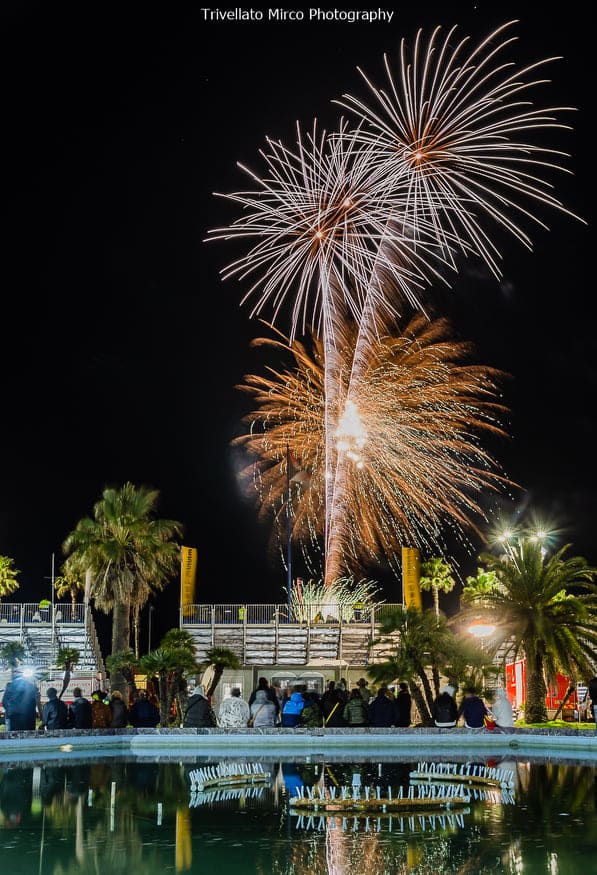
[555,724]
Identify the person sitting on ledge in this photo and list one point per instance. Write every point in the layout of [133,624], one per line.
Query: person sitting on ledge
[263,712]
[445,712]
[263,684]
[502,710]
[199,712]
[234,711]
[473,710]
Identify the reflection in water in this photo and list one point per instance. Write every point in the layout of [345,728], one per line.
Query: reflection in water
[131,817]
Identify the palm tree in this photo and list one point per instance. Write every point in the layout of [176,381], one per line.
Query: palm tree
[70,583]
[436,575]
[129,553]
[220,658]
[11,654]
[543,609]
[66,658]
[168,664]
[124,662]
[8,576]
[426,646]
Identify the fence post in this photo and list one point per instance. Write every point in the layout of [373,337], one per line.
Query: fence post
[213,625]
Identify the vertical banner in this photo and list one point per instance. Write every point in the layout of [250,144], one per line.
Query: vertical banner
[188,571]
[411,576]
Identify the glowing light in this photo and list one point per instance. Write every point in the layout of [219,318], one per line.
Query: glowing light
[482,630]
[350,434]
[541,535]
[411,419]
[28,672]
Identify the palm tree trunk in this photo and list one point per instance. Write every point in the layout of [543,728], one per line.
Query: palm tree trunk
[436,600]
[436,678]
[218,672]
[427,688]
[571,689]
[164,709]
[136,629]
[536,692]
[422,708]
[121,637]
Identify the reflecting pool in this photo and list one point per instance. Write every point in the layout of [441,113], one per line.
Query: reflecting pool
[338,816]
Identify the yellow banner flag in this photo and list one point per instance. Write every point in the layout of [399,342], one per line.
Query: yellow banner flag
[188,572]
[411,576]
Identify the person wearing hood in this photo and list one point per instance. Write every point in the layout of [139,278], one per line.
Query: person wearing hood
[269,692]
[502,710]
[445,712]
[263,711]
[293,710]
[199,712]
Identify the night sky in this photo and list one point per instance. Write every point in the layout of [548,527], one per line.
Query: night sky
[120,347]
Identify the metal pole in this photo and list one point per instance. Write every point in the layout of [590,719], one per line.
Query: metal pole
[53,578]
[288,534]
[149,629]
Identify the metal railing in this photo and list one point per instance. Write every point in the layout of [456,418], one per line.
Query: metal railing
[60,612]
[26,617]
[267,614]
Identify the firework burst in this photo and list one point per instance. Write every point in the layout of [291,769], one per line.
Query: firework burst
[329,232]
[407,461]
[453,126]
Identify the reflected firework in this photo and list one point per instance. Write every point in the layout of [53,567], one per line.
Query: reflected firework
[406,459]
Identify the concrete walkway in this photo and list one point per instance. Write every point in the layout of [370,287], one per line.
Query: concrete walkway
[567,744]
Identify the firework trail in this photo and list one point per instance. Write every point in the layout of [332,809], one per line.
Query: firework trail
[405,444]
[452,124]
[344,229]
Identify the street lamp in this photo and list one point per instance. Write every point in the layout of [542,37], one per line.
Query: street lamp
[481,629]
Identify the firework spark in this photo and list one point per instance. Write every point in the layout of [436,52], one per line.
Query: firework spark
[407,460]
[329,233]
[452,125]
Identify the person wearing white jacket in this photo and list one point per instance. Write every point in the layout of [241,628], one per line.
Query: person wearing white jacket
[234,711]
[502,710]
